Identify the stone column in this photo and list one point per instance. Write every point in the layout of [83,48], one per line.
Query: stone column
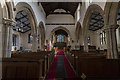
[7,36]
[112,50]
[1,38]
[42,44]
[85,44]
[34,42]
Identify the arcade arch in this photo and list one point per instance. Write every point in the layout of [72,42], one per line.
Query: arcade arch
[93,24]
[41,36]
[27,26]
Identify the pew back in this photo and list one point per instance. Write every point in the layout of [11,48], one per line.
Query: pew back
[14,68]
[98,68]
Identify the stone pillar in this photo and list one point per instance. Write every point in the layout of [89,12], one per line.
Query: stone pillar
[34,42]
[42,44]
[112,50]
[7,36]
[1,39]
[85,44]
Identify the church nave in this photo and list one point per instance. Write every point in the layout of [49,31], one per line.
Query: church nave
[59,40]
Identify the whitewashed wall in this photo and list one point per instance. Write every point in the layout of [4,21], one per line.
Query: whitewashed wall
[22,40]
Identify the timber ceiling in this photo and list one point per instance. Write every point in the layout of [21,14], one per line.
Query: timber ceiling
[69,7]
[23,23]
[96,21]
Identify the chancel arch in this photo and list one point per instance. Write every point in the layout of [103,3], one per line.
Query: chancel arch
[26,27]
[93,25]
[60,35]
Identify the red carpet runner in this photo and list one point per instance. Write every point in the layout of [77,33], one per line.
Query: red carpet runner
[52,70]
[70,75]
[69,71]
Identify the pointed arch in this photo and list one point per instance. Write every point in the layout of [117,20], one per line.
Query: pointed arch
[23,6]
[63,28]
[78,27]
[41,33]
[30,13]
[91,9]
[111,12]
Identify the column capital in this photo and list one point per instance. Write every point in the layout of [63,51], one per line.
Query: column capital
[111,27]
[9,22]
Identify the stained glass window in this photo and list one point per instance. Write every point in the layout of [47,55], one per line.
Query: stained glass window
[60,38]
[102,38]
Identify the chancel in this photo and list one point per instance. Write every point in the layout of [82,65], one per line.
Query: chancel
[44,40]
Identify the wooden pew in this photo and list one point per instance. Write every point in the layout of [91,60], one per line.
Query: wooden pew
[94,65]
[71,56]
[98,68]
[46,56]
[21,69]
[75,55]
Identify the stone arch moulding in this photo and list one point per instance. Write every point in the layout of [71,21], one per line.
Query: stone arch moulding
[78,26]
[111,10]
[33,22]
[30,13]
[10,7]
[41,32]
[92,8]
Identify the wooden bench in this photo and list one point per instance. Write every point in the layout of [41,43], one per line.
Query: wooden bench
[21,69]
[94,65]
[46,56]
[72,56]
[98,68]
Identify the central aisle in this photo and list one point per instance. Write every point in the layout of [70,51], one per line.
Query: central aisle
[60,69]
